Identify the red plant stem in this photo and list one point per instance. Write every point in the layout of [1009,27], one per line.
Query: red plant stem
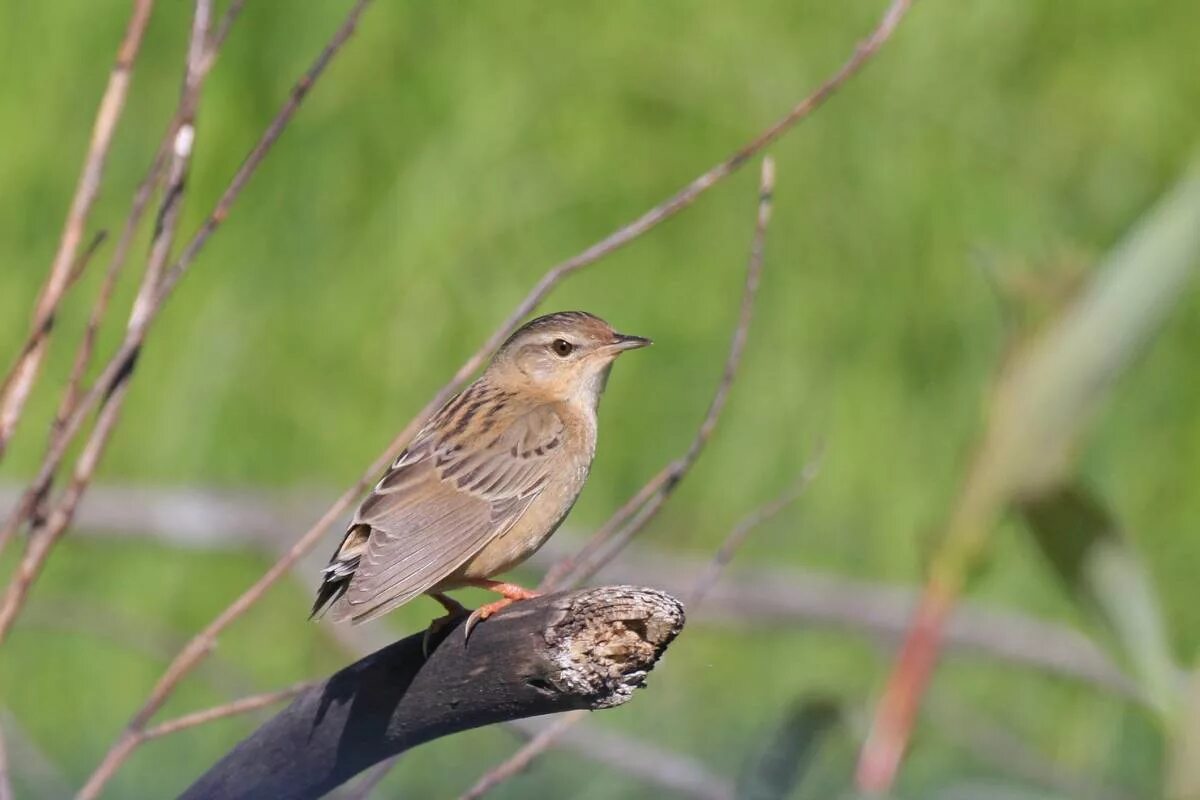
[896,715]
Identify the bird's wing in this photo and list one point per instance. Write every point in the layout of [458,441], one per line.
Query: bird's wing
[443,500]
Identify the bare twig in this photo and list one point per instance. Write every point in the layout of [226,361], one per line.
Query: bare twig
[118,368]
[196,650]
[109,386]
[242,705]
[141,200]
[519,761]
[641,759]
[60,433]
[748,524]
[221,32]
[19,381]
[560,570]
[85,258]
[27,507]
[42,540]
[631,518]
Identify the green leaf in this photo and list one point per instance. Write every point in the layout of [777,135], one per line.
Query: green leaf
[1097,565]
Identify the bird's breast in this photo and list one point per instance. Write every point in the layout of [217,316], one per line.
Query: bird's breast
[565,480]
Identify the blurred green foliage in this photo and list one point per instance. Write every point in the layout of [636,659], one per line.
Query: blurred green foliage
[451,154]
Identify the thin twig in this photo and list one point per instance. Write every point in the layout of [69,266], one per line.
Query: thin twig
[520,760]
[43,539]
[61,432]
[195,650]
[558,573]
[240,178]
[221,32]
[612,538]
[640,759]
[19,382]
[242,705]
[748,524]
[203,642]
[595,556]
[27,507]
[120,366]
[85,258]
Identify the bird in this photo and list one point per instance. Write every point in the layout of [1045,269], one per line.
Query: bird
[485,482]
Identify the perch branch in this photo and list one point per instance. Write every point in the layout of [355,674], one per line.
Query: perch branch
[19,382]
[203,642]
[582,650]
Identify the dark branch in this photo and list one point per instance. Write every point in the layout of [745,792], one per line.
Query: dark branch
[581,650]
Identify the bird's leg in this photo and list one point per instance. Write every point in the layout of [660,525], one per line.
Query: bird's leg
[509,594]
[454,610]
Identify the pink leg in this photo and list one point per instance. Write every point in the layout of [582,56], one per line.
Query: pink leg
[509,593]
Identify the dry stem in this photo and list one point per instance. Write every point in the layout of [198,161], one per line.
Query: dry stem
[43,538]
[637,512]
[20,379]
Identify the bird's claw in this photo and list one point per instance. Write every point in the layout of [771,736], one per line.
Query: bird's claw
[482,613]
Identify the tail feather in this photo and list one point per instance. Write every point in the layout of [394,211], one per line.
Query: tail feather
[335,578]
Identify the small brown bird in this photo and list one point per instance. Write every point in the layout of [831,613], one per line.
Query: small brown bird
[487,479]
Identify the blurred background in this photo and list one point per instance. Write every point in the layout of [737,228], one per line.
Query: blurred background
[451,154]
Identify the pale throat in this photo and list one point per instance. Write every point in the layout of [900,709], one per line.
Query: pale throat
[588,390]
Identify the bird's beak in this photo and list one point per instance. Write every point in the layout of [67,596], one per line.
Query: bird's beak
[622,341]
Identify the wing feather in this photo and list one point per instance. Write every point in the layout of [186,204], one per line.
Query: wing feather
[441,503]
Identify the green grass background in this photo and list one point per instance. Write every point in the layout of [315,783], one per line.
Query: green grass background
[451,154]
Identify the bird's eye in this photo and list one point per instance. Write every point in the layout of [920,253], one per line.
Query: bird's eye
[562,347]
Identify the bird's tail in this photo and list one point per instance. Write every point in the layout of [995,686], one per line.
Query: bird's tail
[335,578]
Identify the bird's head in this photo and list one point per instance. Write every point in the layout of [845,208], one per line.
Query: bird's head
[561,356]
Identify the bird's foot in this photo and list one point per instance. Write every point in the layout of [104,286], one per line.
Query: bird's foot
[454,612]
[509,592]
